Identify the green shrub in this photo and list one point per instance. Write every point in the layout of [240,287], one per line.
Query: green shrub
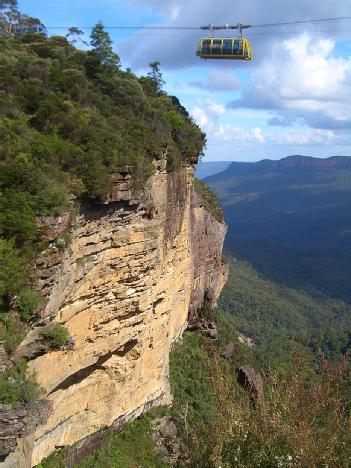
[53,198]
[28,302]
[190,375]
[12,275]
[17,218]
[64,240]
[17,386]
[56,335]
[211,202]
[176,121]
[12,331]
[132,447]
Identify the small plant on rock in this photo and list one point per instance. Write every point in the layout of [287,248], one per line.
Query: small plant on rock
[56,335]
[12,331]
[17,386]
[29,301]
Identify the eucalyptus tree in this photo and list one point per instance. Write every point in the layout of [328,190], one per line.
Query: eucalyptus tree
[9,16]
[75,35]
[13,22]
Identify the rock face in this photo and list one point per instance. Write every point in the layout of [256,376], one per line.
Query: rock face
[164,433]
[252,382]
[207,236]
[20,423]
[123,288]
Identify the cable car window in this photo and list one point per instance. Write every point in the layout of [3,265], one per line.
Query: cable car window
[241,47]
[216,46]
[238,47]
[206,46]
[227,46]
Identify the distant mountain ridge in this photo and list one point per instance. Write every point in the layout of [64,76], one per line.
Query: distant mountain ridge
[309,161]
[294,161]
[291,219]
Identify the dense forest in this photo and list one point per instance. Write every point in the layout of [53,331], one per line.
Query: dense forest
[276,317]
[69,119]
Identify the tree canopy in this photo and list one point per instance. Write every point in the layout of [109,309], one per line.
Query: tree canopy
[102,48]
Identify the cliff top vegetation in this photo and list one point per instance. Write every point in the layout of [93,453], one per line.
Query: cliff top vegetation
[210,199]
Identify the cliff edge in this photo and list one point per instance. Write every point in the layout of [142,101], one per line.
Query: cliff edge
[124,286]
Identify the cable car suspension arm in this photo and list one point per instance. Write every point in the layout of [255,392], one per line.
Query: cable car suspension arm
[239,27]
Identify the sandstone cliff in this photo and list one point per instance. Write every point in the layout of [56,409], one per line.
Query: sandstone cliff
[123,287]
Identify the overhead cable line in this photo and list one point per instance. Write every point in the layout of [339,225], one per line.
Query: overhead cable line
[287,23]
[267,33]
[249,34]
[130,27]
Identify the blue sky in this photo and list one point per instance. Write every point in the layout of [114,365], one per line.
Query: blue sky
[293,98]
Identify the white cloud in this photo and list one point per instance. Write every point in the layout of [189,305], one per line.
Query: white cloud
[200,116]
[214,107]
[304,137]
[207,113]
[302,81]
[298,85]
[232,134]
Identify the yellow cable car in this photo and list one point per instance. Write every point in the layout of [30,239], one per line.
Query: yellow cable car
[225,48]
